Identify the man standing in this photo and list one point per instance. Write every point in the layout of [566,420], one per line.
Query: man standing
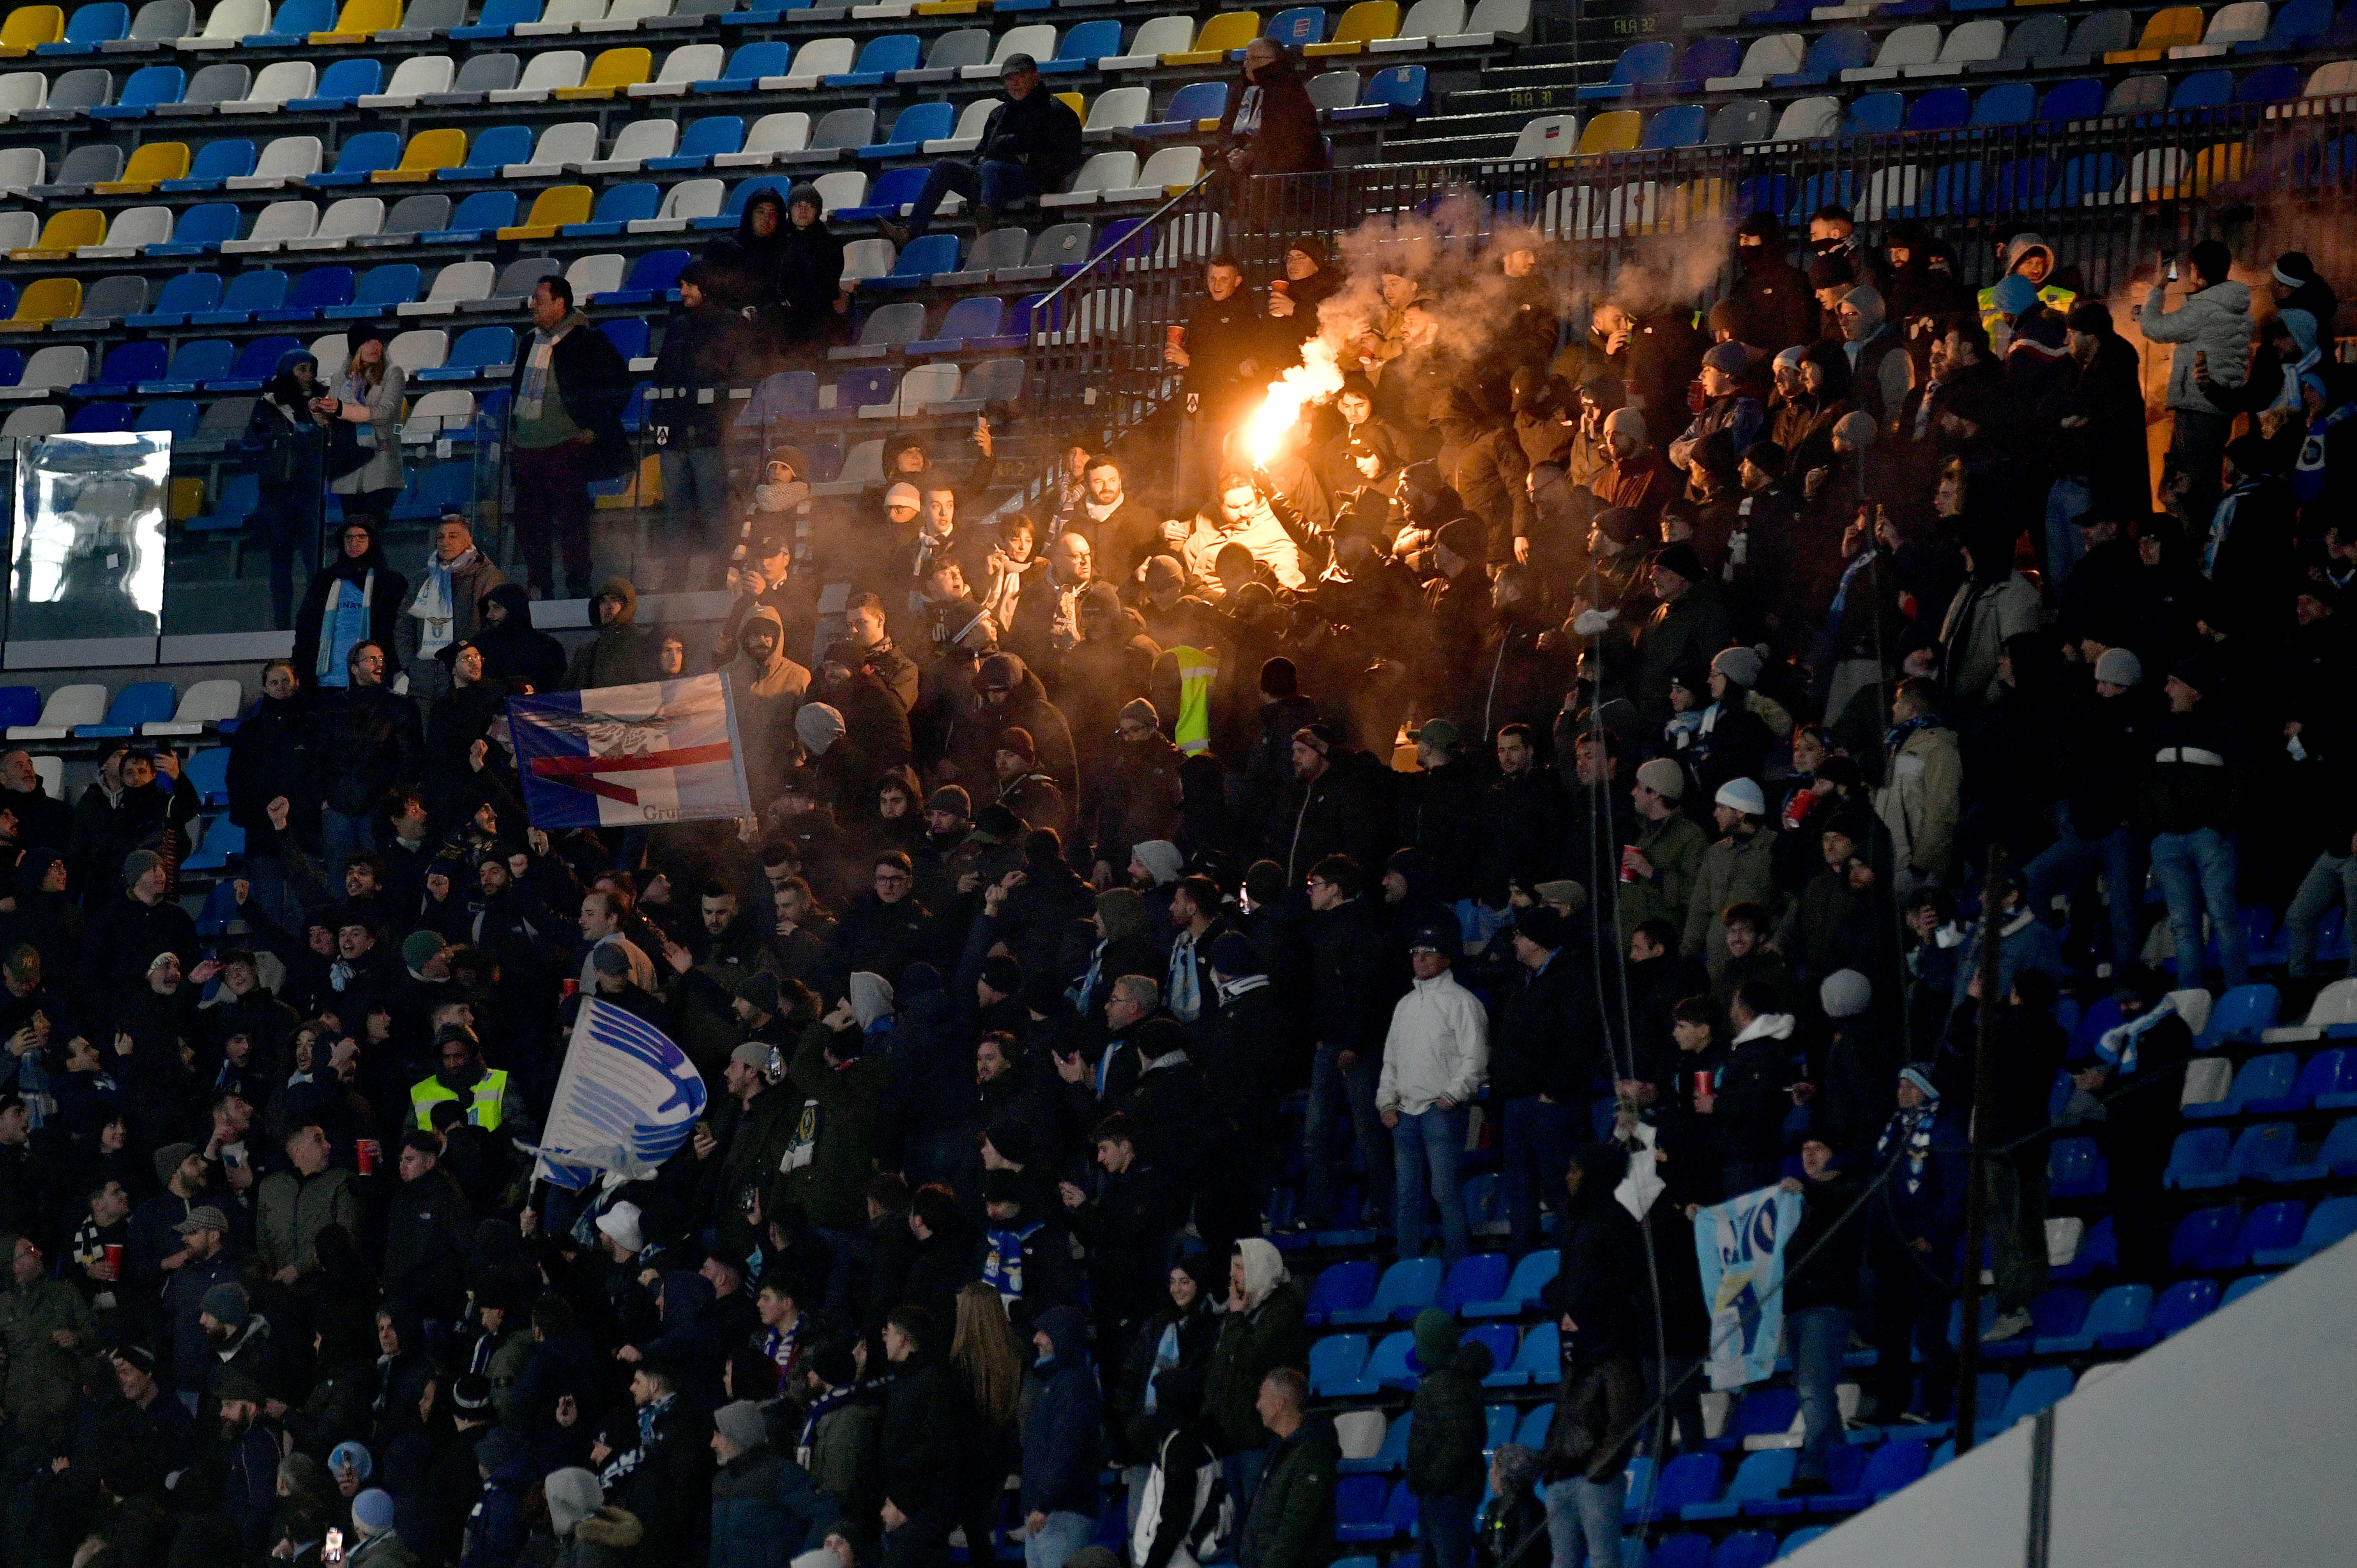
[565,432]
[2188,804]
[1435,1060]
[1547,1052]
[1291,1521]
[294,1206]
[1347,992]
[194,1272]
[1031,144]
[2213,326]
[44,1322]
[1220,351]
[1657,867]
[441,611]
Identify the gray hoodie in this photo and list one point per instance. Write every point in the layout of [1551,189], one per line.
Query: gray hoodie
[2214,322]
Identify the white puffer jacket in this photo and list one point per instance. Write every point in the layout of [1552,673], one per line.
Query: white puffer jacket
[2214,322]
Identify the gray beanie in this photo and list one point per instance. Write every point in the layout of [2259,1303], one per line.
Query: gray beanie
[818,726]
[1161,857]
[572,1496]
[1740,665]
[2119,666]
[741,1424]
[224,1304]
[138,864]
[1844,993]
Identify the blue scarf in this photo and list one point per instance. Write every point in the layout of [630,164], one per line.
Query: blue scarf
[1002,1268]
[2221,523]
[1182,987]
[1910,1133]
[622,1465]
[1900,732]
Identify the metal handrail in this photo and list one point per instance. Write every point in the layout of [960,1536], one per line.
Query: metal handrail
[1085,268]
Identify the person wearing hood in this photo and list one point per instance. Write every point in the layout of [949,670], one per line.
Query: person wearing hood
[622,653]
[288,439]
[514,650]
[1265,1330]
[2029,258]
[1913,1224]
[704,353]
[370,398]
[1750,1099]
[812,301]
[1772,293]
[355,598]
[2212,326]
[1063,1431]
[588,1532]
[1270,127]
[445,608]
[1925,293]
[830,1154]
[566,397]
[1880,372]
[1008,695]
[742,272]
[1995,602]
[769,690]
[1445,1468]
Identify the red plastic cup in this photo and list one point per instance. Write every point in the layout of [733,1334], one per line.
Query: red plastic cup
[1702,1086]
[1280,286]
[1629,862]
[571,987]
[115,1259]
[1174,335]
[365,1151]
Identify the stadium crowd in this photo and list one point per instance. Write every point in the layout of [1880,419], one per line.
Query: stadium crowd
[1085,835]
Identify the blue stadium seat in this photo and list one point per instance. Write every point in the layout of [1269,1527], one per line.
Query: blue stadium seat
[879,59]
[99,419]
[1498,1338]
[2080,98]
[2203,89]
[2241,1014]
[2269,84]
[2197,1159]
[149,86]
[89,26]
[1715,55]
[1401,91]
[1835,50]
[1532,1433]
[978,316]
[703,140]
[652,275]
[1941,108]
[1639,65]
[794,394]
[2205,1239]
[2246,1285]
[381,290]
[1087,42]
[1763,1412]
[2057,1316]
[1335,1364]
[494,150]
[293,23]
[1688,1478]
[628,335]
[2099,1248]
[1390,1456]
[176,418]
[2272,1229]
[1341,1285]
[915,125]
[1759,1478]
[1406,1288]
[2181,1307]
[1690,1549]
[1679,126]
[182,295]
[2075,1168]
[916,264]
[258,289]
[240,494]
[256,363]
[1745,1549]
[1874,113]
[490,351]
[1196,101]
[2263,1150]
[2298,25]
[746,66]
[2037,1390]
[228,158]
[1391,1363]
[443,487]
[140,703]
[1358,1505]
[1890,1467]
[2335,1219]
[1524,1287]
[200,229]
[497,17]
[2262,1078]
[1537,1360]
[126,365]
[313,294]
[223,838]
[341,86]
[2122,1309]
[2007,104]
[360,156]
[1798,1539]
[892,189]
[618,207]
[194,363]
[477,218]
[1498,1423]
[864,387]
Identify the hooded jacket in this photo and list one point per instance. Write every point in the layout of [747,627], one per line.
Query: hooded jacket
[2214,322]
[621,654]
[1271,1331]
[1445,1444]
[289,445]
[704,350]
[1272,119]
[1059,1415]
[810,276]
[515,650]
[768,696]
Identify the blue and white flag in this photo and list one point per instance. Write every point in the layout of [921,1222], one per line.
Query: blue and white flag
[625,1102]
[1740,1245]
[662,751]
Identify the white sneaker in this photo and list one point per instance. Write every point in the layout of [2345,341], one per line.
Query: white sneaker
[2006,1327]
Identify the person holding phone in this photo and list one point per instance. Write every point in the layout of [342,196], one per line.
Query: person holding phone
[2211,325]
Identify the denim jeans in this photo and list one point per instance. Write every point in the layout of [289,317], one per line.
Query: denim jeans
[1537,1147]
[2197,869]
[1240,1471]
[995,185]
[1584,1522]
[1443,1526]
[695,497]
[1333,1090]
[1818,1336]
[2333,879]
[1063,1534]
[1426,1151]
[2067,501]
[2069,866]
[341,836]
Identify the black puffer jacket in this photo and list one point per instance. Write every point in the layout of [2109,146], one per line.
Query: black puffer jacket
[1444,1446]
[369,741]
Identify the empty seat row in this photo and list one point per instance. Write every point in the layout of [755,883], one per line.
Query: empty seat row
[81,711]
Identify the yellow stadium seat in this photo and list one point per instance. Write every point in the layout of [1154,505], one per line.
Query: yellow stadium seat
[33,26]
[609,73]
[1360,25]
[552,209]
[645,488]
[427,151]
[360,19]
[1614,133]
[49,299]
[948,7]
[186,498]
[1226,30]
[1076,103]
[2167,29]
[67,232]
[149,165]
[2219,165]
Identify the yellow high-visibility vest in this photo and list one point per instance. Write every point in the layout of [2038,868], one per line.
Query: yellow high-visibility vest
[483,1111]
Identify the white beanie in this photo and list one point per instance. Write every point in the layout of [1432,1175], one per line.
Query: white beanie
[1844,993]
[1741,794]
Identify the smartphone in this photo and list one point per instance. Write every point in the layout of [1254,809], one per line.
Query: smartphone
[332,1550]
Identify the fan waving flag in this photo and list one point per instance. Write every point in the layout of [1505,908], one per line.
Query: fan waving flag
[662,751]
[625,1100]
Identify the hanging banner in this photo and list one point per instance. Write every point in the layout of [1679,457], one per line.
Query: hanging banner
[1740,1245]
